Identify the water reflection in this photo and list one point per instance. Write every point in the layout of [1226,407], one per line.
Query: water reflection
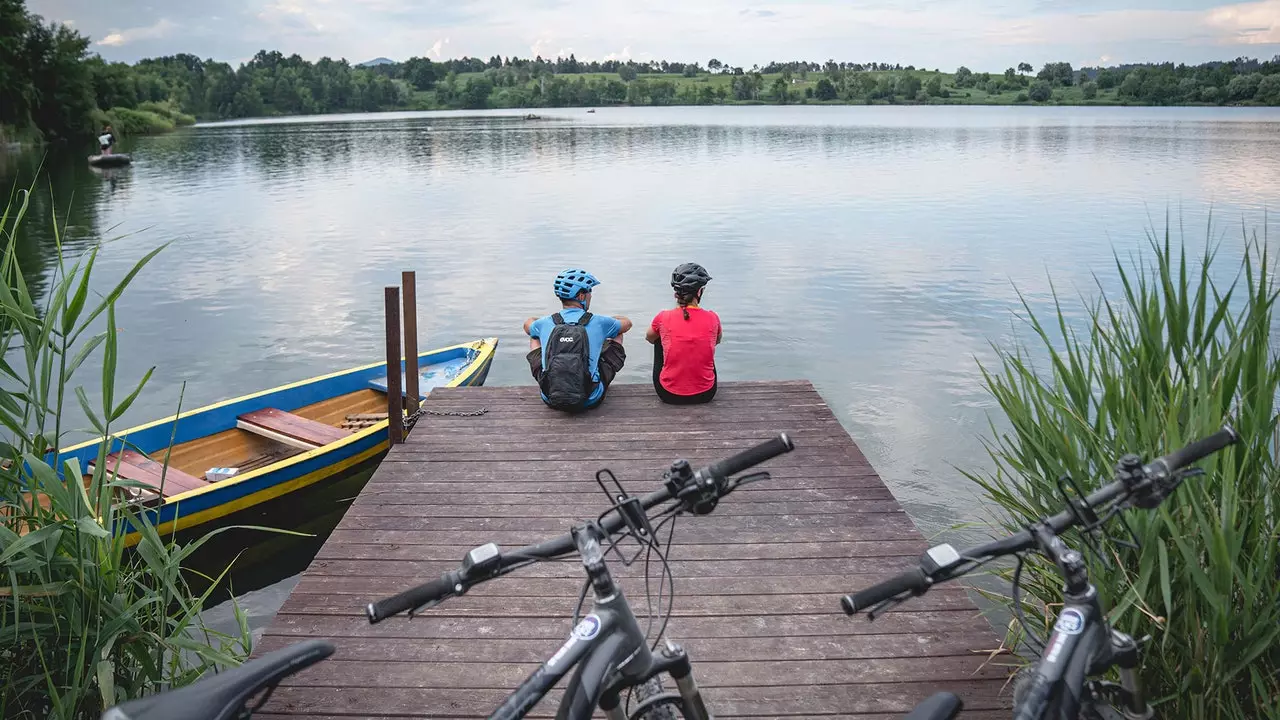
[872,250]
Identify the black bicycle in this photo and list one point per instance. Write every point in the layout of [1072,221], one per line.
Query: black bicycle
[1065,683]
[606,650]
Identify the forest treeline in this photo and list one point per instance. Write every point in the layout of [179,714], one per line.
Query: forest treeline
[54,86]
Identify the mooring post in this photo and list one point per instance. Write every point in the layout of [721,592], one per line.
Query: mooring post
[408,282]
[395,399]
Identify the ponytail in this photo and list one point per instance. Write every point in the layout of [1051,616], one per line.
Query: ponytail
[684,299]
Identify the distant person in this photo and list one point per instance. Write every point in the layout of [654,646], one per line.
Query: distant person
[574,354]
[684,342]
[107,140]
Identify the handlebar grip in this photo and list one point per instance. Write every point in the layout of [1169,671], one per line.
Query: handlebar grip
[1199,449]
[751,456]
[437,589]
[914,581]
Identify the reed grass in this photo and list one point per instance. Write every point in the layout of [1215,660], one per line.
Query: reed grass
[84,624]
[1164,361]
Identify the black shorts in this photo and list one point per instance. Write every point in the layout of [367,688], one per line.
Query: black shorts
[612,358]
[671,398]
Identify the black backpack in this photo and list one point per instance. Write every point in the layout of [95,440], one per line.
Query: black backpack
[566,375]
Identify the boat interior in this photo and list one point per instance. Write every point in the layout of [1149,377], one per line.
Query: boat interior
[242,436]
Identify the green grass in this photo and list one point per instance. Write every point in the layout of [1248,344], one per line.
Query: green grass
[169,110]
[138,122]
[84,624]
[1163,362]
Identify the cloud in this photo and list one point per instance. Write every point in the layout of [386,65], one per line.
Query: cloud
[623,56]
[1252,23]
[291,15]
[980,34]
[120,38]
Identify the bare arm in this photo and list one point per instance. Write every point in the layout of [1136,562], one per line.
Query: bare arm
[651,336]
[625,322]
[528,323]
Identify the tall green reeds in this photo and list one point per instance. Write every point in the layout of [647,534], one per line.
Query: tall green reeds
[84,623]
[1165,361]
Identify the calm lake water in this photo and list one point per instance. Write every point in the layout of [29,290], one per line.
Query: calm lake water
[873,250]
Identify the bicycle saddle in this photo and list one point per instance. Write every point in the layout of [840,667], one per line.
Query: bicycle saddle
[220,696]
[939,706]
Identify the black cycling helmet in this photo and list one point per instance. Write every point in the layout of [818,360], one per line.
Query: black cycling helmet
[689,277]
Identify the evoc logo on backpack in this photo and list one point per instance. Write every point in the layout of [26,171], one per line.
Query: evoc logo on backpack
[566,377]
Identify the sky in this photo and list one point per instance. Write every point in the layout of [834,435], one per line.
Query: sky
[985,35]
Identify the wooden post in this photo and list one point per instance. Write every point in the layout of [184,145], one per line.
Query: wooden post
[395,400]
[408,282]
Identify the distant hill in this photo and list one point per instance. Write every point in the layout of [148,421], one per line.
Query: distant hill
[377,61]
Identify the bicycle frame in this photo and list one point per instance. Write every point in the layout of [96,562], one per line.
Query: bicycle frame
[1083,644]
[607,652]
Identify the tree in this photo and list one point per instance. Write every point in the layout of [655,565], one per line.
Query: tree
[907,85]
[1243,87]
[964,77]
[825,90]
[714,65]
[1058,73]
[420,72]
[1269,90]
[934,86]
[63,102]
[476,94]
[780,91]
[1040,91]
[1025,68]
[627,72]
[1090,90]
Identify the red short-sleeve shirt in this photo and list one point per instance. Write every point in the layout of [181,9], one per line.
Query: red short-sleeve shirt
[688,349]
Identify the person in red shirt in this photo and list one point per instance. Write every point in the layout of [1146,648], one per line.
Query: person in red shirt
[684,342]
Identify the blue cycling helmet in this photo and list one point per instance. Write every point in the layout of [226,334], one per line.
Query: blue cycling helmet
[573,281]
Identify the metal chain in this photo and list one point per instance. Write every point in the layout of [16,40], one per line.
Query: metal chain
[457,413]
[411,420]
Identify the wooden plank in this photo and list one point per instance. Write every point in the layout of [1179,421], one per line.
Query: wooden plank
[865,647]
[408,282]
[289,428]
[395,412]
[133,465]
[757,583]
[685,551]
[799,628]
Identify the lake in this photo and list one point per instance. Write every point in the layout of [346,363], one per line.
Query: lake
[877,251]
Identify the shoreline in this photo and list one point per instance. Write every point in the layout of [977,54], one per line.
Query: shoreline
[559,113]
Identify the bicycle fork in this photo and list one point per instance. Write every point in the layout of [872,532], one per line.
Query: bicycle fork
[675,662]
[1125,655]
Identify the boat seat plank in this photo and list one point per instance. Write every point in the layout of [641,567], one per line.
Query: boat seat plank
[135,466]
[290,429]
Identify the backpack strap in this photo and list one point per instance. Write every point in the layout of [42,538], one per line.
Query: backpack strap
[557,319]
[582,321]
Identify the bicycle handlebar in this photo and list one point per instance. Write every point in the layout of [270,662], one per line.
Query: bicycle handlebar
[708,480]
[1151,476]
[1198,450]
[913,581]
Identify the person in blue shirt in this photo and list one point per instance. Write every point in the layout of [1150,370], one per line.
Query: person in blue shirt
[604,333]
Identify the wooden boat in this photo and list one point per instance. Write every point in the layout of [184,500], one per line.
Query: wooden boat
[112,160]
[277,441]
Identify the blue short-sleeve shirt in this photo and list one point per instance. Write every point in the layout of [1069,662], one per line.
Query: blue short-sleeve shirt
[601,328]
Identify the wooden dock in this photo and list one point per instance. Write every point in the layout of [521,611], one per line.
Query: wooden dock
[757,583]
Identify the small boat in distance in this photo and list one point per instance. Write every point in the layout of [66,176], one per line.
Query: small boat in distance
[241,452]
[112,160]
[591,110]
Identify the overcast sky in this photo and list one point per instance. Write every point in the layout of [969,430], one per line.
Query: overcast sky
[983,34]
